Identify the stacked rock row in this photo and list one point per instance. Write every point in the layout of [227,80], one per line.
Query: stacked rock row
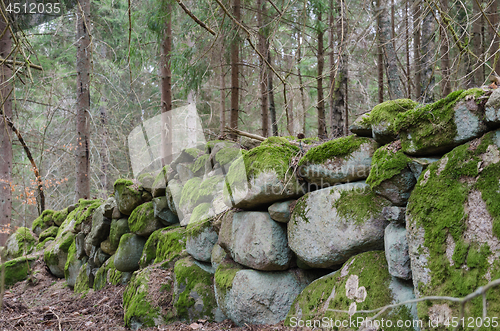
[407,207]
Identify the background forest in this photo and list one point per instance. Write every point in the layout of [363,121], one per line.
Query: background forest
[269,67]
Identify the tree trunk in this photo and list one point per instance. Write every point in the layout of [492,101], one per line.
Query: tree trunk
[416,48]
[391,66]
[445,56]
[289,105]
[5,136]
[495,63]
[166,92]
[272,107]
[319,81]
[340,85]
[222,97]
[264,108]
[235,59]
[380,60]
[82,190]
[103,151]
[477,25]
[428,52]
[407,43]
[301,83]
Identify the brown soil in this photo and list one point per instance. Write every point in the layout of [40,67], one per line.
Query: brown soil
[47,303]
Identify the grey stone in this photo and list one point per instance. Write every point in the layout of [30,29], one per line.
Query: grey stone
[129,252]
[280,211]
[108,207]
[396,251]
[127,198]
[418,165]
[163,212]
[382,132]
[492,110]
[99,231]
[254,240]
[394,214]
[322,237]
[397,189]
[80,245]
[200,240]
[361,129]
[218,255]
[118,228]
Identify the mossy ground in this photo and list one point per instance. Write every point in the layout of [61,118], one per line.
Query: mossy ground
[386,163]
[359,204]
[192,279]
[333,148]
[371,268]
[437,204]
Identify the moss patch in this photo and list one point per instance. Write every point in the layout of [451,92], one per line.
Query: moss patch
[386,163]
[59,216]
[334,148]
[164,246]
[17,270]
[199,221]
[50,232]
[140,217]
[20,243]
[82,284]
[387,111]
[359,205]
[227,155]
[43,221]
[224,276]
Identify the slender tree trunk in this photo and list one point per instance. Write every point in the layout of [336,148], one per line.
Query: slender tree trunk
[407,43]
[82,190]
[428,54]
[416,48]
[445,56]
[319,81]
[391,66]
[6,135]
[494,19]
[235,69]
[103,151]
[272,107]
[289,90]
[380,59]
[301,83]
[166,92]
[222,97]
[264,108]
[477,25]
[340,85]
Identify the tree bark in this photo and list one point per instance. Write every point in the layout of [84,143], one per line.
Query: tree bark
[416,48]
[272,107]
[103,151]
[82,190]
[5,136]
[340,84]
[319,81]
[222,97]
[380,60]
[477,44]
[407,43]
[428,51]
[391,66]
[264,108]
[494,19]
[301,82]
[235,59]
[289,105]
[166,92]
[445,56]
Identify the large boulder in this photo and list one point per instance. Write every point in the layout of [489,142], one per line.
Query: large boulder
[439,127]
[42,222]
[330,225]
[142,220]
[453,228]
[18,269]
[164,246]
[396,251]
[390,175]
[257,297]
[117,229]
[262,176]
[336,161]
[129,252]
[254,240]
[56,254]
[99,231]
[363,283]
[20,243]
[127,195]
[162,212]
[201,236]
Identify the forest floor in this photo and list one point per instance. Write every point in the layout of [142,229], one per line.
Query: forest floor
[48,304]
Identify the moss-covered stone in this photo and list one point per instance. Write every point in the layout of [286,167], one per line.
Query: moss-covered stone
[357,204]
[59,216]
[55,256]
[127,195]
[20,243]
[142,221]
[72,266]
[164,246]
[117,229]
[49,232]
[80,217]
[42,222]
[224,276]
[44,244]
[109,275]
[227,155]
[160,182]
[18,269]
[194,293]
[83,281]
[454,225]
[364,283]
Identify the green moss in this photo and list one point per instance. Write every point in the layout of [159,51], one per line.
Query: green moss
[385,165]
[189,191]
[123,182]
[196,191]
[82,284]
[194,152]
[371,268]
[43,221]
[211,144]
[359,205]
[141,216]
[301,209]
[432,125]
[227,155]
[279,141]
[17,270]
[387,111]
[164,246]
[199,164]
[59,216]
[107,273]
[24,242]
[70,259]
[199,220]
[82,214]
[40,246]
[49,232]
[334,148]
[224,276]
[195,282]
[437,205]
[135,303]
